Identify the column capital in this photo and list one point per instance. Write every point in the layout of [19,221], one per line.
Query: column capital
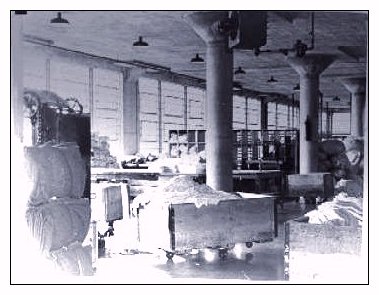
[312,64]
[355,84]
[207,25]
[133,74]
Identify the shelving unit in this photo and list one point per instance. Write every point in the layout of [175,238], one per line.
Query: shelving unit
[186,142]
[252,149]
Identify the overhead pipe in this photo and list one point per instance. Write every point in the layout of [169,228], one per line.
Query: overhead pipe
[299,47]
[312,32]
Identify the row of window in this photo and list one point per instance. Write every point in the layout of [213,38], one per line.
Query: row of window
[99,90]
[167,106]
[164,106]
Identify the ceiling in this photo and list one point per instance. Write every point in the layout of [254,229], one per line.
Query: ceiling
[172,43]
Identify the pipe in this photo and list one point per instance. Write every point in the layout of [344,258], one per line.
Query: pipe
[312,32]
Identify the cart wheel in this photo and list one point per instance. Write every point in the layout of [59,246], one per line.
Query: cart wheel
[249,244]
[169,255]
[222,253]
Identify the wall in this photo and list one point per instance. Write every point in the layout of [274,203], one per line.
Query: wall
[99,90]
[168,106]
[163,105]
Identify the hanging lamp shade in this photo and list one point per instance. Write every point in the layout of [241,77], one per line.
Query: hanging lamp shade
[140,42]
[272,80]
[197,59]
[59,19]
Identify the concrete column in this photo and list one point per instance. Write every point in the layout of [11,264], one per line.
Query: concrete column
[365,155]
[357,88]
[130,114]
[91,96]
[309,68]
[219,77]
[160,116]
[185,103]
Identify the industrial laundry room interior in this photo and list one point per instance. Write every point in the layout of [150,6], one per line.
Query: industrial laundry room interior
[159,147]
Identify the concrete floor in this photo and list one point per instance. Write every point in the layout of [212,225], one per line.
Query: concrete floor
[263,262]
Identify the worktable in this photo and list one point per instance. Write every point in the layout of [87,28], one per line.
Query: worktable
[122,175]
[254,181]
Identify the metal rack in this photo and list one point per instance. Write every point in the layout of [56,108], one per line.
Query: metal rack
[186,141]
[252,149]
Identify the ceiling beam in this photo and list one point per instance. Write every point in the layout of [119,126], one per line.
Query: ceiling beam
[162,73]
[74,55]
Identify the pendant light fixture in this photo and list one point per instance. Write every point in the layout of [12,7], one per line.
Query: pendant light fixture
[272,80]
[197,59]
[59,19]
[140,42]
[59,24]
[239,71]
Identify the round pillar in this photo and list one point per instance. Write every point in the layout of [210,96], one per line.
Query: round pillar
[357,88]
[219,117]
[309,89]
[219,79]
[309,68]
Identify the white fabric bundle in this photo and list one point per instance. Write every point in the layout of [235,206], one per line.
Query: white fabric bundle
[48,169]
[56,170]
[183,189]
[74,259]
[341,211]
[60,222]
[76,167]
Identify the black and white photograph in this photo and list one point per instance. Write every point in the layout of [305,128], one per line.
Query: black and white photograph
[189,147]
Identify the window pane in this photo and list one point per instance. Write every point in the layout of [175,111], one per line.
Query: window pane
[341,123]
[196,108]
[107,98]
[149,129]
[70,80]
[253,114]
[239,112]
